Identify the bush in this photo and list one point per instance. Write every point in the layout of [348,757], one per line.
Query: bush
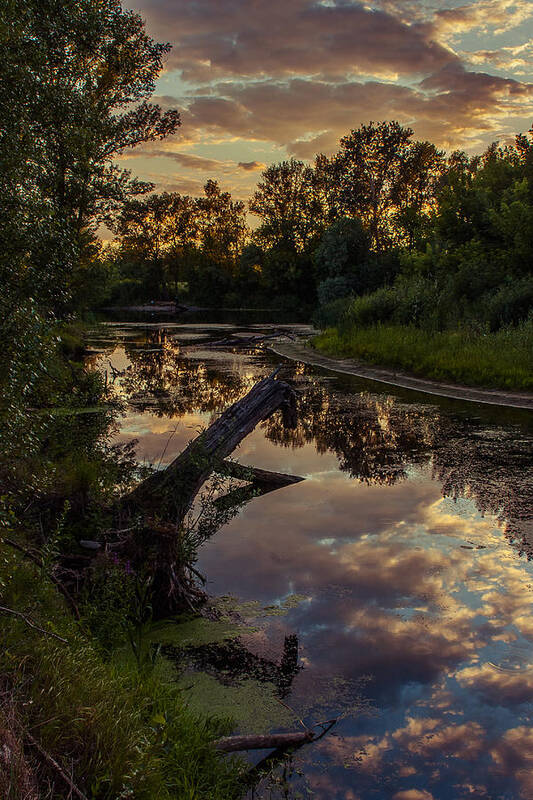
[512,304]
[119,732]
[333,289]
[344,245]
[371,308]
[332,314]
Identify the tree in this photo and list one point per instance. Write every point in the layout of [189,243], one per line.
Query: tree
[157,236]
[76,75]
[97,69]
[290,202]
[343,248]
[379,172]
[415,192]
[168,238]
[222,225]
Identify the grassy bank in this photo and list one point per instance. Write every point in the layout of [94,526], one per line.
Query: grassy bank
[116,731]
[497,360]
[97,706]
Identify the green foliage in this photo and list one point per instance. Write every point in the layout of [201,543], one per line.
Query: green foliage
[123,733]
[509,305]
[169,240]
[289,200]
[333,313]
[107,600]
[333,289]
[386,180]
[344,247]
[501,359]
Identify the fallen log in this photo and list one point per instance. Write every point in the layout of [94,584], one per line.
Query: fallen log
[232,744]
[171,492]
[262,478]
[258,483]
[254,340]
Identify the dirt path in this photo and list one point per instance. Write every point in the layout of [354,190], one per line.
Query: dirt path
[300,351]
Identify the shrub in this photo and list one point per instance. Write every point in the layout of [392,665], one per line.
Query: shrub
[501,359]
[333,313]
[333,289]
[512,304]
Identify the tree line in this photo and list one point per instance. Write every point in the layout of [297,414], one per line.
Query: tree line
[386,212]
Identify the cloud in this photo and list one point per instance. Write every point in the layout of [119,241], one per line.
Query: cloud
[300,74]
[413,794]
[499,686]
[176,183]
[451,107]
[513,755]
[251,166]
[286,36]
[192,161]
[484,15]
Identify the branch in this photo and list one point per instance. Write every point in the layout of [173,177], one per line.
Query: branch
[31,623]
[37,560]
[53,763]
[231,744]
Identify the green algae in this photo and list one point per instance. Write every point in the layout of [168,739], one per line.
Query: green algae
[197,631]
[252,706]
[231,607]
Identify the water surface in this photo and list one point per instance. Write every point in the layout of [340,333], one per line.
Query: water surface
[407,549]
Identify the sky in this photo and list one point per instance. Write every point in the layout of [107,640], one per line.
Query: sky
[259,81]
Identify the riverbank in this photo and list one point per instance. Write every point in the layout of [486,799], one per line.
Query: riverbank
[118,729]
[500,360]
[302,351]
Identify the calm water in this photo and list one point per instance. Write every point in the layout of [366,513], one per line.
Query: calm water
[407,546]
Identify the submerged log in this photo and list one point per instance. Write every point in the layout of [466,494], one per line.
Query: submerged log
[171,492]
[165,498]
[232,744]
[254,340]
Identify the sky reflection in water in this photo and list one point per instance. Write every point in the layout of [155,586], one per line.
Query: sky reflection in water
[406,541]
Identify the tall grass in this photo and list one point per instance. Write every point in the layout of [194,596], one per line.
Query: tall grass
[120,733]
[497,360]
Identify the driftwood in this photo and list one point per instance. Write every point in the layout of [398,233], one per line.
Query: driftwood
[262,478]
[254,340]
[73,789]
[258,483]
[171,491]
[279,754]
[232,744]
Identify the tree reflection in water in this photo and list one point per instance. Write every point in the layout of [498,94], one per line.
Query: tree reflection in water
[424,618]
[376,437]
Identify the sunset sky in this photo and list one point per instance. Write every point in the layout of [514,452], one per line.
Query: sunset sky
[257,81]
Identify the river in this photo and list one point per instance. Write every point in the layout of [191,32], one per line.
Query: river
[399,568]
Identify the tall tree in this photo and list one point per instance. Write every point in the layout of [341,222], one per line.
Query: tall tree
[76,76]
[290,202]
[415,194]
[371,173]
[157,236]
[98,67]
[222,225]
